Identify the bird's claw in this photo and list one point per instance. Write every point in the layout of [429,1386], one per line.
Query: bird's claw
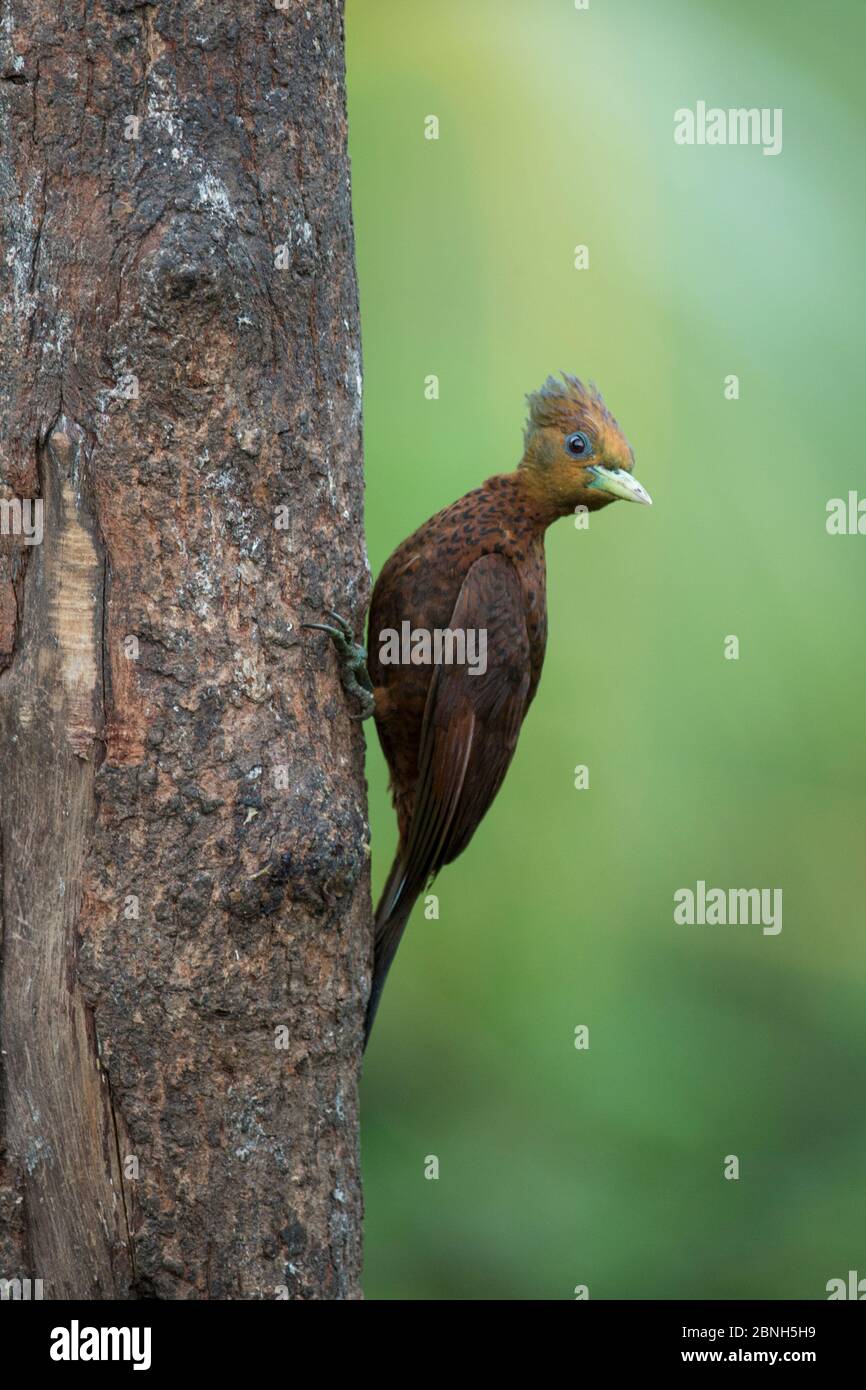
[367,702]
[344,626]
[353,661]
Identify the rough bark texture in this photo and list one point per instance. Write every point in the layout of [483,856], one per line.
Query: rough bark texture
[185,898]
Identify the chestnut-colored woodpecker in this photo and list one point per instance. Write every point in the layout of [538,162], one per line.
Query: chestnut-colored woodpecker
[449,726]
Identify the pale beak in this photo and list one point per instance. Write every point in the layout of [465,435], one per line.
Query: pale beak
[618,482]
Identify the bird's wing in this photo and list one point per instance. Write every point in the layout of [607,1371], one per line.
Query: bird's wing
[470,729]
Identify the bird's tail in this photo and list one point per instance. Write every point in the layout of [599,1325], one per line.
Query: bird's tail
[392,914]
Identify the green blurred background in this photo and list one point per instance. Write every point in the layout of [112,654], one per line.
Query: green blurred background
[604,1167]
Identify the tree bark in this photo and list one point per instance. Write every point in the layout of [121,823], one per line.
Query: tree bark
[185,895]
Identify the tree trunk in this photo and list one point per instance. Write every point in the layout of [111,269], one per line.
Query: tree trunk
[185,897]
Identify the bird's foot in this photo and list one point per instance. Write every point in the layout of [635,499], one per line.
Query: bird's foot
[353,662]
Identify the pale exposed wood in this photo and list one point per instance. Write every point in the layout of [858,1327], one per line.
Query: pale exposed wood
[58,1106]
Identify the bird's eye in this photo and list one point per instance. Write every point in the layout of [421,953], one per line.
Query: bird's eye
[578,445]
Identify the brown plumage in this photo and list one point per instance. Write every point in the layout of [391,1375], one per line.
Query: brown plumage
[449,734]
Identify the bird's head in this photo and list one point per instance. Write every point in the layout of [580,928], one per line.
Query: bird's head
[574,451]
